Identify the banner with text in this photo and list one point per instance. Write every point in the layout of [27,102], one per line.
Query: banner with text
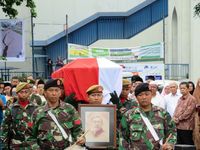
[154,51]
[144,70]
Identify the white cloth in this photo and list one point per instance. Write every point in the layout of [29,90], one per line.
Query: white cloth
[53,117]
[171,102]
[158,100]
[150,127]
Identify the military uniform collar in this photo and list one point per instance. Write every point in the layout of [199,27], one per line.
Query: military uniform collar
[154,109]
[17,104]
[61,106]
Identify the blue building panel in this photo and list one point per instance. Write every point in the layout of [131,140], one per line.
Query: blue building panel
[111,27]
[159,10]
[120,27]
[84,35]
[137,22]
[57,49]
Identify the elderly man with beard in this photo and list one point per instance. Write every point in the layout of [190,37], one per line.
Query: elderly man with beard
[16,127]
[146,126]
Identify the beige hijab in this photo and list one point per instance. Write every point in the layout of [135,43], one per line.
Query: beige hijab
[196,93]
[196,132]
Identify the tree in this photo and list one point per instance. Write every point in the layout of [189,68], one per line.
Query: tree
[9,10]
[197,9]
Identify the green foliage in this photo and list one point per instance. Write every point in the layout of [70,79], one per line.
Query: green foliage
[197,9]
[9,10]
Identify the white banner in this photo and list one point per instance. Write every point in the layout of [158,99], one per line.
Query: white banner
[144,70]
[148,52]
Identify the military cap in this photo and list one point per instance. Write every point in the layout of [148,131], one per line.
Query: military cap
[141,88]
[52,83]
[21,86]
[94,89]
[136,78]
[126,82]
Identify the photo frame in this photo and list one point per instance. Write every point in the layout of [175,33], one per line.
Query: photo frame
[99,121]
[12,47]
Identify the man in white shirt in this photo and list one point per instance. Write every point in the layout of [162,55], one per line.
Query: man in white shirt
[157,99]
[172,98]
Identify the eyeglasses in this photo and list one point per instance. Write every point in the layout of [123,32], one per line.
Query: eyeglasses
[96,95]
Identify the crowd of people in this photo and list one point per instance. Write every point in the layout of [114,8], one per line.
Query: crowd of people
[35,114]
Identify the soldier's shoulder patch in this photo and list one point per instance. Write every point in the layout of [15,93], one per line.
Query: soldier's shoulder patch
[77,122]
[30,124]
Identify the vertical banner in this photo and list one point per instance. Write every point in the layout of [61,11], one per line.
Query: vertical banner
[12,40]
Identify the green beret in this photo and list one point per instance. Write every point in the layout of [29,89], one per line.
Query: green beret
[21,86]
[94,89]
[52,83]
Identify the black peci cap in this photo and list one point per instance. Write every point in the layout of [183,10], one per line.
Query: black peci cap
[141,88]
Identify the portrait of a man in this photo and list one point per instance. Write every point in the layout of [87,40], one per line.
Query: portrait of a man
[97,125]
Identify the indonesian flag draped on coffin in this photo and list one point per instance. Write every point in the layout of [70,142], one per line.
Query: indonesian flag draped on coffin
[82,73]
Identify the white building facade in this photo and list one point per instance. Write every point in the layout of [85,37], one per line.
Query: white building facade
[179,31]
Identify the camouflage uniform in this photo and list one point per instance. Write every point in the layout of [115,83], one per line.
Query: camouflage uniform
[46,133]
[16,127]
[135,135]
[36,99]
[128,104]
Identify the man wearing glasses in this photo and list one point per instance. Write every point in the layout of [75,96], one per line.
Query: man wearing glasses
[16,127]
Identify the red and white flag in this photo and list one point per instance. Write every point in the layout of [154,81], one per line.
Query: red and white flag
[82,73]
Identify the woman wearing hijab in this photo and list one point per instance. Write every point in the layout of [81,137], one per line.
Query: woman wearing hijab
[165,90]
[191,87]
[196,133]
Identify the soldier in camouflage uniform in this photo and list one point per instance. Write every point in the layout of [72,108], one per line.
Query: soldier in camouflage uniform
[134,133]
[46,132]
[16,127]
[34,98]
[126,103]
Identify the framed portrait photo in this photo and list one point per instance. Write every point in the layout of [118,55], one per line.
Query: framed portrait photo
[99,123]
